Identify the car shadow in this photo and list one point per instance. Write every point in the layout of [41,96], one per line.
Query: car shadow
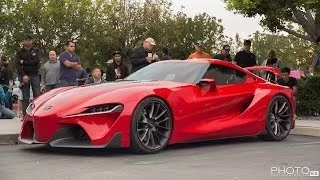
[45,149]
[219,142]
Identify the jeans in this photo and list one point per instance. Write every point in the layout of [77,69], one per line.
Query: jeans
[48,88]
[35,85]
[6,113]
[65,83]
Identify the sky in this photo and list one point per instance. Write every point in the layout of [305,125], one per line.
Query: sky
[233,23]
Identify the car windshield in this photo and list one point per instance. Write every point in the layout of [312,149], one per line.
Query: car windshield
[177,71]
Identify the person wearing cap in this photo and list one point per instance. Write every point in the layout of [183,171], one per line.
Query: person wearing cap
[117,69]
[199,54]
[142,56]
[28,64]
[245,58]
[224,54]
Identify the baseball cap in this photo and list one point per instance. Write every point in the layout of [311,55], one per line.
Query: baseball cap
[198,43]
[151,41]
[27,37]
[116,52]
[226,47]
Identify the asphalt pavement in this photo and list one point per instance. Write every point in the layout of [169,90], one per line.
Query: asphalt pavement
[236,159]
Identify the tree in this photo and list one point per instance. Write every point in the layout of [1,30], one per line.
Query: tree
[102,27]
[283,15]
[181,31]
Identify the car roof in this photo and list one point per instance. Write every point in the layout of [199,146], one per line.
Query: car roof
[209,61]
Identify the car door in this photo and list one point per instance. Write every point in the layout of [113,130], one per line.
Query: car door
[219,108]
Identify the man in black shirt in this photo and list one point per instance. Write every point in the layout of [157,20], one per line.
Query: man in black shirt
[117,69]
[245,58]
[142,56]
[28,65]
[224,54]
[288,81]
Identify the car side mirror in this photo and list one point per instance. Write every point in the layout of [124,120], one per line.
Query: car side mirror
[211,83]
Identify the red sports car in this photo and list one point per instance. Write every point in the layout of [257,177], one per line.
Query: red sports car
[164,103]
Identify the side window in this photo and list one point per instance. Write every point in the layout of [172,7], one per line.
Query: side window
[224,75]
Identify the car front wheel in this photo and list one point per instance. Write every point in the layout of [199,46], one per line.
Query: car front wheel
[151,126]
[279,119]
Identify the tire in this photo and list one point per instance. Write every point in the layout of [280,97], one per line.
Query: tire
[151,126]
[278,120]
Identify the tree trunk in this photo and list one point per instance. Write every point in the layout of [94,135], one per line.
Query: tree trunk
[309,24]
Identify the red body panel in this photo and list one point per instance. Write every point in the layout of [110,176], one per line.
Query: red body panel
[198,113]
[274,70]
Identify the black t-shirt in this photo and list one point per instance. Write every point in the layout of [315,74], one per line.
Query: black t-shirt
[115,71]
[292,82]
[138,58]
[31,61]
[245,59]
[222,57]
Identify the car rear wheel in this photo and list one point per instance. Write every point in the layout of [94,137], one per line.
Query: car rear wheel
[151,126]
[279,119]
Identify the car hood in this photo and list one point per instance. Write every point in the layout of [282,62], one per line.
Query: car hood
[71,100]
[90,91]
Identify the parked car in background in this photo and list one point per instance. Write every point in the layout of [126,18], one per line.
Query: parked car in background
[298,74]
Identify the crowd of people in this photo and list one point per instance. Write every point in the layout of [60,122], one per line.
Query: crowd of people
[66,69]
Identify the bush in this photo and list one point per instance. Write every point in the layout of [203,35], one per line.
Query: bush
[308,100]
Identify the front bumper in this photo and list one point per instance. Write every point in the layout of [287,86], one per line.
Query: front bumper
[78,132]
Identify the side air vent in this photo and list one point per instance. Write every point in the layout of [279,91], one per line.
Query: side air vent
[246,104]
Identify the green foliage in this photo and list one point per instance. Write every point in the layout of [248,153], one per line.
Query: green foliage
[281,14]
[101,27]
[309,96]
[181,31]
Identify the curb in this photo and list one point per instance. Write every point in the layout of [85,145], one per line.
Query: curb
[306,131]
[8,139]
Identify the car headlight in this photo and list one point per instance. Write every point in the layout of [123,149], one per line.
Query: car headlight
[99,109]
[107,108]
[30,108]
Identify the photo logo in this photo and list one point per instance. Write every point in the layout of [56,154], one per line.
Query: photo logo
[293,171]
